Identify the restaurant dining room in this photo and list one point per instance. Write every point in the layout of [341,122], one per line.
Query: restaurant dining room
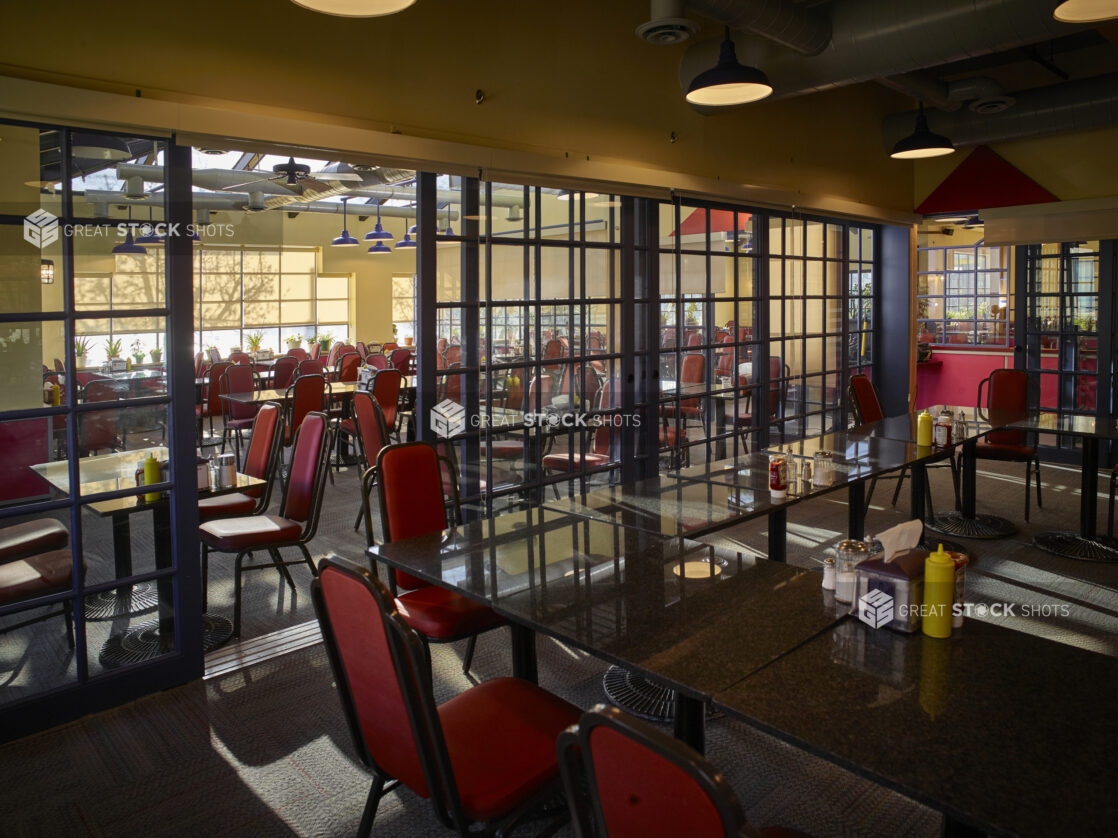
[620,486]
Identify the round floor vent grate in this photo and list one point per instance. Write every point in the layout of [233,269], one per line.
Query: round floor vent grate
[639,696]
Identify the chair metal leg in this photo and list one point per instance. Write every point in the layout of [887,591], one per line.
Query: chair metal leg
[371,803]
[277,560]
[237,592]
[1039,505]
[307,558]
[869,494]
[900,481]
[469,658]
[1028,480]
[360,516]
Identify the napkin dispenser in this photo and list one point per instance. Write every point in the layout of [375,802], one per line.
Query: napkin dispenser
[902,579]
[365,376]
[263,355]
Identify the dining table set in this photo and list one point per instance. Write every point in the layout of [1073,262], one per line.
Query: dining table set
[996,728]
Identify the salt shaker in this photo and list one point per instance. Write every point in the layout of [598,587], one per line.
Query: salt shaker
[805,477]
[828,574]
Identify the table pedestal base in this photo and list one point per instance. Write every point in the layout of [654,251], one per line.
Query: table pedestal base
[144,641]
[109,605]
[639,696]
[980,526]
[1071,545]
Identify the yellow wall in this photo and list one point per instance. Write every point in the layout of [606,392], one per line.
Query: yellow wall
[571,85]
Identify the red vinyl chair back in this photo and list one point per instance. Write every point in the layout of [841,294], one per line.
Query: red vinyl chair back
[388,346]
[311,366]
[691,372]
[694,338]
[212,404]
[314,351]
[377,362]
[863,398]
[348,364]
[640,781]
[303,493]
[298,353]
[362,349]
[401,360]
[441,345]
[667,338]
[365,638]
[99,429]
[386,390]
[452,383]
[240,358]
[453,355]
[283,371]
[410,482]
[372,430]
[238,378]
[333,354]
[590,387]
[307,394]
[199,363]
[263,445]
[1007,392]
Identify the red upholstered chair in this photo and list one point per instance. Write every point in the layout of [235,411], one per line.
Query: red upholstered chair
[388,346]
[376,361]
[691,372]
[240,358]
[574,462]
[483,758]
[1007,395]
[307,394]
[332,355]
[368,426]
[99,430]
[298,353]
[35,561]
[347,367]
[361,349]
[311,366]
[294,526]
[627,779]
[453,354]
[314,351]
[199,364]
[283,372]
[410,487]
[867,408]
[401,359]
[261,458]
[386,390]
[236,417]
[777,384]
[211,404]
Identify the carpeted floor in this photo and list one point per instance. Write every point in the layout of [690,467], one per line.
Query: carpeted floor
[264,750]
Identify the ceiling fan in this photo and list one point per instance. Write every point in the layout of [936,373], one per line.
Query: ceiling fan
[298,174]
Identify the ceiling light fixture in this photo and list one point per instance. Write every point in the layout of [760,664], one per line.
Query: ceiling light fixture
[449,230]
[380,247]
[922,142]
[378,233]
[1085,11]
[407,241]
[345,239]
[728,82]
[355,8]
[99,147]
[128,246]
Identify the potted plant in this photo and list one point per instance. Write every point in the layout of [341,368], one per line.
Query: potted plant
[156,355]
[138,352]
[81,346]
[255,341]
[112,348]
[324,341]
[293,341]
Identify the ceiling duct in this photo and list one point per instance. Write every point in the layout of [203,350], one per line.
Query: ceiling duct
[239,202]
[667,25]
[1074,106]
[871,39]
[782,21]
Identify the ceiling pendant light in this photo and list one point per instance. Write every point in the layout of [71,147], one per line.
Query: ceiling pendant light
[407,242]
[449,230]
[728,82]
[922,142]
[345,239]
[355,8]
[1085,11]
[380,247]
[378,233]
[150,237]
[128,246]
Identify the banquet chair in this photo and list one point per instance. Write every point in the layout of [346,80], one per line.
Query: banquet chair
[691,372]
[1007,393]
[308,393]
[867,408]
[283,372]
[623,777]
[261,457]
[401,359]
[376,361]
[210,405]
[298,353]
[35,561]
[311,366]
[99,430]
[294,526]
[777,383]
[485,758]
[361,349]
[386,390]
[236,417]
[410,489]
[314,351]
[367,424]
[240,358]
[347,366]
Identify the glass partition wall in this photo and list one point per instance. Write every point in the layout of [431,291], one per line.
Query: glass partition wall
[94,574]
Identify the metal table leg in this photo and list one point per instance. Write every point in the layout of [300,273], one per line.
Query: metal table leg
[1083,545]
[967,523]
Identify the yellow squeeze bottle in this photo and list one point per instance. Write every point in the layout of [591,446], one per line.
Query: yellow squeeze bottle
[924,429]
[151,475]
[55,395]
[939,594]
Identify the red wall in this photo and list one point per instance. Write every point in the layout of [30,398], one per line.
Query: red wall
[955,378]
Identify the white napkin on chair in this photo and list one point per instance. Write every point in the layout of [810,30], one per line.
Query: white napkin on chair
[900,538]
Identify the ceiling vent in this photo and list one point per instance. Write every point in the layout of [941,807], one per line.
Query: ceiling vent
[992,104]
[667,24]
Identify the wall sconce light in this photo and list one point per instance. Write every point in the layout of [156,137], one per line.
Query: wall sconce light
[46,271]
